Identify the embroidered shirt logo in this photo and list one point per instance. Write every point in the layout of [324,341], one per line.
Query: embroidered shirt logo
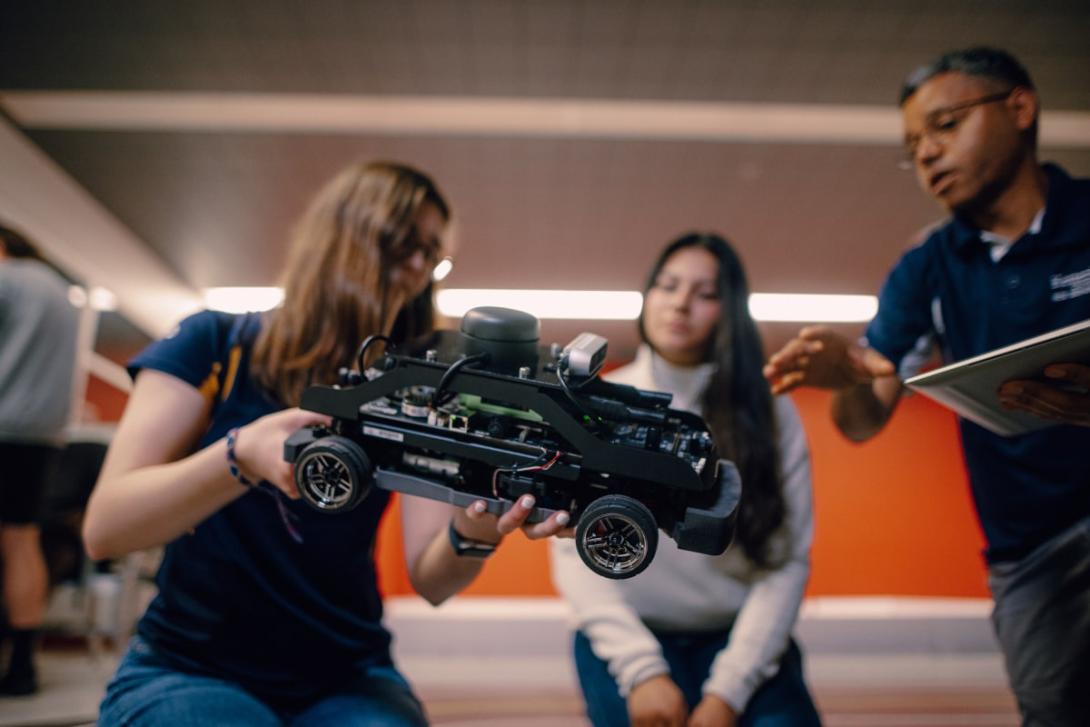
[1066,286]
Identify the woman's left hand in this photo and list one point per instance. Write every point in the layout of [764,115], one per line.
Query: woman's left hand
[475,523]
[712,712]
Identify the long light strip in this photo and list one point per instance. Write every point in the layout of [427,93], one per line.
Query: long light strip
[486,116]
[564,304]
[812,308]
[625,305]
[585,305]
[241,300]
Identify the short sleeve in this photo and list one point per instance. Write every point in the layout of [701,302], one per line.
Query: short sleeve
[192,352]
[904,323]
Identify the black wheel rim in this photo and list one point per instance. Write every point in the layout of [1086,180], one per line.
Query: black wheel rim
[615,544]
[327,480]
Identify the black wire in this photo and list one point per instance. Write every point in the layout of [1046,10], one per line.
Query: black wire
[362,352]
[571,397]
[436,397]
[584,382]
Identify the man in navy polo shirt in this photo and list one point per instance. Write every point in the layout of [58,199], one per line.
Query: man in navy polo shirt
[1012,262]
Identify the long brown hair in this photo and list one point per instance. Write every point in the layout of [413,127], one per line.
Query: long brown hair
[336,280]
[737,402]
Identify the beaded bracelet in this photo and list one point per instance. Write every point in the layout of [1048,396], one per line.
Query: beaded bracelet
[232,461]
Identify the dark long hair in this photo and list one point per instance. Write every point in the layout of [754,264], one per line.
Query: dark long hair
[737,403]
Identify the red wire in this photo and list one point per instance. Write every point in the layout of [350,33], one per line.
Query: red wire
[535,468]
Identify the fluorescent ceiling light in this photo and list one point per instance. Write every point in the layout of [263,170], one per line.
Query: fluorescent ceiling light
[625,305]
[99,298]
[77,296]
[812,308]
[241,300]
[582,304]
[567,304]
[102,299]
[486,116]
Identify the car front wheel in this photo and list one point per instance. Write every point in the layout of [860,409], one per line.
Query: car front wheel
[617,536]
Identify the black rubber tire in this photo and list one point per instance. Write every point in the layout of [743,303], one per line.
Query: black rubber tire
[333,474]
[617,536]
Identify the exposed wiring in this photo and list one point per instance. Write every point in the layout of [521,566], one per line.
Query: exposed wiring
[571,397]
[580,384]
[362,352]
[437,395]
[519,470]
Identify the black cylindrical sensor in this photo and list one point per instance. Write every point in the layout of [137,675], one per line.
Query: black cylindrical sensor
[509,337]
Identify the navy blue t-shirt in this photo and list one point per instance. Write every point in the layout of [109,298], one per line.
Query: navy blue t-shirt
[239,598]
[948,290]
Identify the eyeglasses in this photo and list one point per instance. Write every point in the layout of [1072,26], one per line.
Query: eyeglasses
[411,244]
[440,265]
[940,125]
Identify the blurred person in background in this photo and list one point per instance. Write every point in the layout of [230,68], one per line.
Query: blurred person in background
[1011,262]
[268,612]
[38,334]
[704,640]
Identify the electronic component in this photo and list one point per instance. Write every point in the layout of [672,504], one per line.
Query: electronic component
[584,356]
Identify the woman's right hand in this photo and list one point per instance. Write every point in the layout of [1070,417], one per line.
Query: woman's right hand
[259,447]
[657,702]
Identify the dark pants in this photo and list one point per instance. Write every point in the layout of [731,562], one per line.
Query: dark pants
[1042,620]
[24,476]
[146,692]
[782,701]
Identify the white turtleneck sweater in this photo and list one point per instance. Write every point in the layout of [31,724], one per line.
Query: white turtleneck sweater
[686,591]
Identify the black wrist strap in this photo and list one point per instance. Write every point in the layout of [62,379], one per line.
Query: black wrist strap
[468,548]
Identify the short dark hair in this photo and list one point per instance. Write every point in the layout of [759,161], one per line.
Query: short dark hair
[982,62]
[17,246]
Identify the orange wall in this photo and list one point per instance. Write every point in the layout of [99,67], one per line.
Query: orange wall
[105,403]
[893,516]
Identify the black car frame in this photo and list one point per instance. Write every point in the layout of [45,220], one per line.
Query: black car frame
[485,414]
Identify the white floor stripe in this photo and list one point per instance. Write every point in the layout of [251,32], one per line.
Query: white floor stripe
[920,720]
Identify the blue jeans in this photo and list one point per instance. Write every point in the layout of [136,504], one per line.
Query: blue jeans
[146,691]
[1042,621]
[782,701]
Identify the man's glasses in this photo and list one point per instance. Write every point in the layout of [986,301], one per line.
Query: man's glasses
[940,125]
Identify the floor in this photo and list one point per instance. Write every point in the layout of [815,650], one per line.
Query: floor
[71,684]
[872,662]
[928,693]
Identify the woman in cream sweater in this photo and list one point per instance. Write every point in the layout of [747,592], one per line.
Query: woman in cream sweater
[697,639]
